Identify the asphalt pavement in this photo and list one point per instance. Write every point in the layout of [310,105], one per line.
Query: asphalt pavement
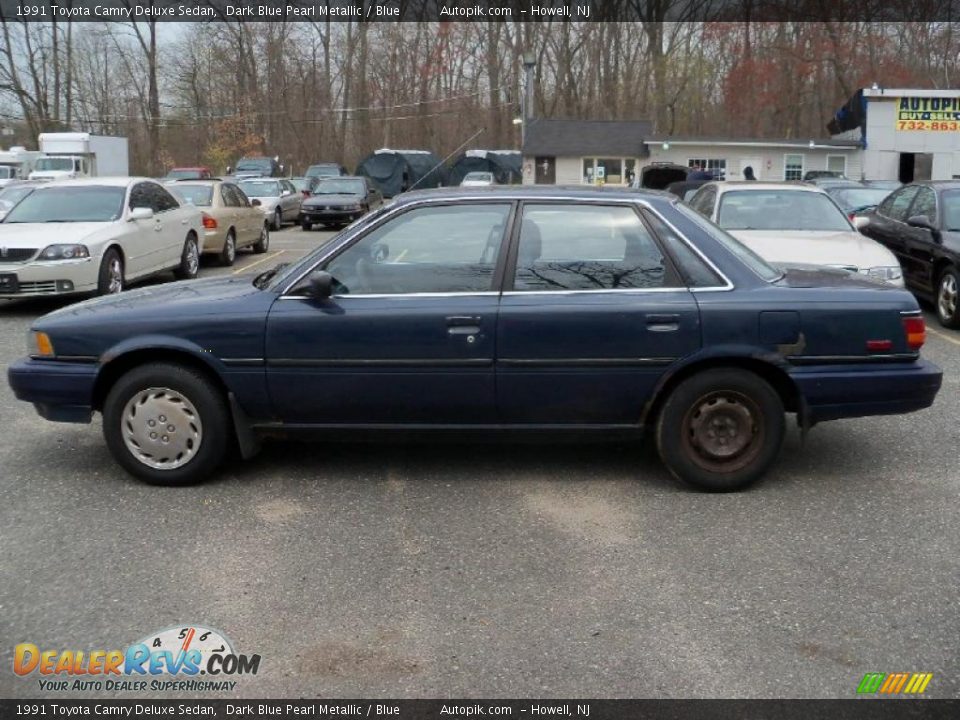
[495,570]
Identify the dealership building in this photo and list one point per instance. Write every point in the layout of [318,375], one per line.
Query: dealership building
[899,134]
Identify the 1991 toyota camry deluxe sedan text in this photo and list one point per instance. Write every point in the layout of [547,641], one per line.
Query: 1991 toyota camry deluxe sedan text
[516,309]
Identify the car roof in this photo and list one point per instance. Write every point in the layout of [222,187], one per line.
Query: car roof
[940,184]
[342,177]
[101,181]
[532,192]
[728,185]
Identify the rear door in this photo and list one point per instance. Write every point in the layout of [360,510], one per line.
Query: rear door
[408,337]
[591,315]
[888,225]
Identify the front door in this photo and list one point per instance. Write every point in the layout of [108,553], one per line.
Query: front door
[408,337]
[590,317]
[546,171]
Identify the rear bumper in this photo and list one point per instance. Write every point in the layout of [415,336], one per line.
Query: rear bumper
[833,392]
[60,391]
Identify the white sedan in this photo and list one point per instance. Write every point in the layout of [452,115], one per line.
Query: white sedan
[478,179]
[95,236]
[794,224]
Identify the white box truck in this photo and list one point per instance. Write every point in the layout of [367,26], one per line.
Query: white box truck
[16,164]
[78,155]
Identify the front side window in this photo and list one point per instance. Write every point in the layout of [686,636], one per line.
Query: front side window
[925,204]
[586,247]
[441,249]
[793,167]
[897,205]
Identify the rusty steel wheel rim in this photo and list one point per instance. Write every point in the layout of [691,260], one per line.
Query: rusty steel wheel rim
[723,431]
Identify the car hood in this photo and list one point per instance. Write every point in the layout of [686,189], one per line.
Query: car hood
[30,235]
[338,199]
[807,247]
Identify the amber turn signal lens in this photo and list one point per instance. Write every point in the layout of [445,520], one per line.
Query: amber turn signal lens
[42,344]
[916,330]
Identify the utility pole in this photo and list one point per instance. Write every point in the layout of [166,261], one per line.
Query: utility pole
[526,105]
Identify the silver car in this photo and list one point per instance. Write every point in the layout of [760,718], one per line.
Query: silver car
[279,199]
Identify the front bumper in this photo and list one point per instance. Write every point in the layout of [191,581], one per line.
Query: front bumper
[831,392]
[37,279]
[328,214]
[60,391]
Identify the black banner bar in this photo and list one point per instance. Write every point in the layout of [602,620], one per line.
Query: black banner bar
[854,709]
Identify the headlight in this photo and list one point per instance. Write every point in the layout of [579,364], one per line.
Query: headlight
[350,208]
[887,273]
[64,252]
[39,344]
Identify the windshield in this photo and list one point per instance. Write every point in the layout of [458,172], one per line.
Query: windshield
[198,195]
[258,164]
[855,198]
[89,203]
[302,184]
[950,201]
[186,174]
[53,163]
[747,256]
[322,170]
[15,193]
[780,210]
[260,188]
[340,187]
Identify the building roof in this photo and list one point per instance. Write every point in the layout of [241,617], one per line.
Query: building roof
[585,137]
[891,93]
[818,143]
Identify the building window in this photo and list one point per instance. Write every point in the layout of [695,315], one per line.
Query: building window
[837,163]
[608,170]
[793,167]
[716,166]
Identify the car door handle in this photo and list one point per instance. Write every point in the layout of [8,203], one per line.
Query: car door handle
[157,226]
[663,323]
[460,325]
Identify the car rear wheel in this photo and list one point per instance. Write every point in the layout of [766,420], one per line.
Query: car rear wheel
[229,252]
[110,278]
[277,219]
[189,259]
[166,424]
[720,430]
[263,244]
[948,298]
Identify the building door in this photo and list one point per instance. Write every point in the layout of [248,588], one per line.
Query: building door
[915,167]
[546,173]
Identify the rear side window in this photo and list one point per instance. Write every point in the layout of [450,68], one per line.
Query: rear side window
[586,247]
[695,272]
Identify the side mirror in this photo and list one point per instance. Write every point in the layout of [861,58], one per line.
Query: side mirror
[285,193]
[923,222]
[321,285]
[255,203]
[141,213]
[860,222]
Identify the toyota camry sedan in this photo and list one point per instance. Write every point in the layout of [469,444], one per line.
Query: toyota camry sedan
[95,236]
[571,312]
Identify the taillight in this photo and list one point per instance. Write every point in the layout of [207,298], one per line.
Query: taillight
[916,330]
[209,223]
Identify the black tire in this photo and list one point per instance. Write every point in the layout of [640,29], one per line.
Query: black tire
[107,278]
[948,298]
[228,255]
[189,259]
[720,430]
[307,226]
[211,411]
[277,220]
[263,244]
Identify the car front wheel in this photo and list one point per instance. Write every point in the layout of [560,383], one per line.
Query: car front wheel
[277,220]
[110,277]
[720,430]
[948,301]
[166,424]
[189,260]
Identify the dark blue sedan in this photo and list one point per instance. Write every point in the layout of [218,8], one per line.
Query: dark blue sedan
[505,309]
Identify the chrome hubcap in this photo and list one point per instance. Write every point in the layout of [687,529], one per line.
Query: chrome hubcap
[722,431]
[115,274]
[193,257]
[947,299]
[161,428]
[231,248]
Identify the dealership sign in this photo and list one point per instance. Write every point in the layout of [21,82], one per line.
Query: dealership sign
[928,113]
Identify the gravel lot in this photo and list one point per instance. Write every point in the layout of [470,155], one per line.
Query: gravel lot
[497,570]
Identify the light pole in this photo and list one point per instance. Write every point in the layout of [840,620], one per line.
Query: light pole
[526,103]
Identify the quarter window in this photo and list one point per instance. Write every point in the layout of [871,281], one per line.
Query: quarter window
[695,272]
[586,248]
[432,249]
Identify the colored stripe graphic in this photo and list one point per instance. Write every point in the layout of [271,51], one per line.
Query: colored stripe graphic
[894,683]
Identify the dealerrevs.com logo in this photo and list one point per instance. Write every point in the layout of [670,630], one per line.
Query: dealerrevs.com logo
[172,659]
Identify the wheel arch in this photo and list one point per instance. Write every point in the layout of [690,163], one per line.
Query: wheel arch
[773,373]
[941,264]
